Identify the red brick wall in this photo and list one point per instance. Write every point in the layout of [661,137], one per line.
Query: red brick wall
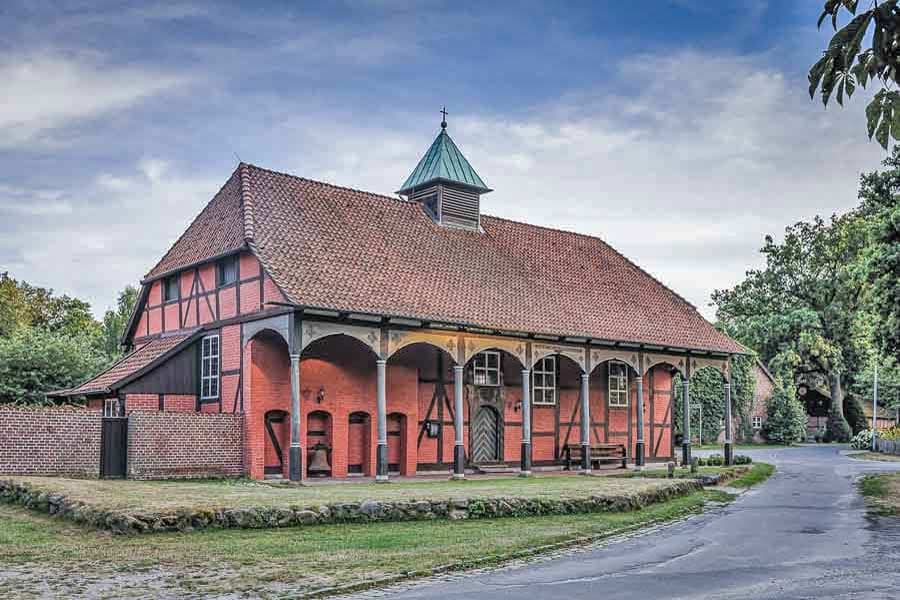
[49,441]
[164,445]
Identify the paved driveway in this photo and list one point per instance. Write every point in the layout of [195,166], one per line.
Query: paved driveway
[803,534]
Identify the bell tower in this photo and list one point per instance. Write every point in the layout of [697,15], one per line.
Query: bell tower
[446,185]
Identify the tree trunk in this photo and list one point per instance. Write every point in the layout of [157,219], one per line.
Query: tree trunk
[838,428]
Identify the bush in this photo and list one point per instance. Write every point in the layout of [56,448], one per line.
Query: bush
[856,418]
[715,460]
[891,433]
[742,459]
[786,416]
[862,440]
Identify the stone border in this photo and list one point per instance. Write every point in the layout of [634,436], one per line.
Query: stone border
[368,511]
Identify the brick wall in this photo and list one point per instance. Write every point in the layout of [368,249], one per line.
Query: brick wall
[175,445]
[49,441]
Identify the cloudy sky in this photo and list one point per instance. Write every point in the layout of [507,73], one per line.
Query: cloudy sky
[680,131]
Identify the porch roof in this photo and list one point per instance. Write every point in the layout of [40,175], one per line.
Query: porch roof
[346,250]
[143,358]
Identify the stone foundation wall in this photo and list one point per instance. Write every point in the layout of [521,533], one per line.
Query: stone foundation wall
[21,493]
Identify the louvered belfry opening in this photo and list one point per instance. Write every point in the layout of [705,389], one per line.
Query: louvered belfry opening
[446,185]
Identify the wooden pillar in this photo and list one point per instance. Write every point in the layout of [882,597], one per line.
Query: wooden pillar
[686,418]
[526,424]
[585,424]
[381,457]
[459,450]
[639,443]
[295,461]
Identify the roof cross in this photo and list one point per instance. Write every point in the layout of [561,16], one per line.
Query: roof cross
[444,120]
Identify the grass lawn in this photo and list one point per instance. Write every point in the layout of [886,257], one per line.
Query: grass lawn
[748,475]
[165,496]
[878,456]
[882,492]
[721,447]
[41,556]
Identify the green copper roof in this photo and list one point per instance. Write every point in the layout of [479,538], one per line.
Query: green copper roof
[443,162]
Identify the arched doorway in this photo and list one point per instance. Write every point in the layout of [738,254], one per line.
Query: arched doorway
[359,443]
[318,439]
[277,440]
[396,442]
[486,436]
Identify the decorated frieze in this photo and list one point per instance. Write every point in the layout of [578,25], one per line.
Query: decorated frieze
[401,338]
[316,330]
[576,353]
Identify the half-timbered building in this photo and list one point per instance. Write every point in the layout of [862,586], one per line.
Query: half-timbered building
[372,335]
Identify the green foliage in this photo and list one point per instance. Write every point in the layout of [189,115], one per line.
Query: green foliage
[785,415]
[115,321]
[708,395]
[845,64]
[862,440]
[34,361]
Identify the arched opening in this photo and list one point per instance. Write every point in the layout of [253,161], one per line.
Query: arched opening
[266,399]
[420,386]
[556,407]
[660,380]
[493,401]
[396,442]
[707,405]
[359,443]
[319,444]
[277,423]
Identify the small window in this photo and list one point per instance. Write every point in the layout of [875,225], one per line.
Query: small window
[227,270]
[170,288]
[209,368]
[757,422]
[543,378]
[111,407]
[618,384]
[486,368]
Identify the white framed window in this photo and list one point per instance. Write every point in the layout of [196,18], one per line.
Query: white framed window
[543,381]
[227,269]
[618,384]
[486,368]
[757,422]
[209,367]
[111,407]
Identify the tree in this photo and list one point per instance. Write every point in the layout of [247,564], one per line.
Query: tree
[785,415]
[115,321]
[35,360]
[25,305]
[845,64]
[803,307]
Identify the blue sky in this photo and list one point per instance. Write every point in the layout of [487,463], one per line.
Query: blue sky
[679,130]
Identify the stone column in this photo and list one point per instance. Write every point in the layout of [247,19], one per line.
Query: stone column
[459,450]
[639,443]
[686,410]
[381,459]
[585,424]
[526,423]
[295,460]
[729,442]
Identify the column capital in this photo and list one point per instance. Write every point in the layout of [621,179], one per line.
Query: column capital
[585,376]
[380,361]
[526,371]
[458,367]
[727,385]
[295,356]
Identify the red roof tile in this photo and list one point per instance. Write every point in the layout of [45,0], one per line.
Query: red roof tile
[348,250]
[142,356]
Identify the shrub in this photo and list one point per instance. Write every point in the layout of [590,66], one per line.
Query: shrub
[891,433]
[862,440]
[742,459]
[715,460]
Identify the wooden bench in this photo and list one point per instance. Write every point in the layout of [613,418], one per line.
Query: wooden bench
[601,455]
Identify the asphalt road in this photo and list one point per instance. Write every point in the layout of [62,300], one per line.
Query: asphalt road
[802,534]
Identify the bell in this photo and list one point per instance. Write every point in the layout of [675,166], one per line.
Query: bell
[318,464]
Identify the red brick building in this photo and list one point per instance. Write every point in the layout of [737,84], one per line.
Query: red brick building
[367,334]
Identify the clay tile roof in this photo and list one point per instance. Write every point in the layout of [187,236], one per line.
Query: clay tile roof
[342,249]
[141,357]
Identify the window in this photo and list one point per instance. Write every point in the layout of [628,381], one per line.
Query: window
[757,422]
[543,380]
[111,407]
[227,270]
[209,368]
[486,368]
[618,384]
[170,288]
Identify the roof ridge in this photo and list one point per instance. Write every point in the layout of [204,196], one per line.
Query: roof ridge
[328,184]
[246,202]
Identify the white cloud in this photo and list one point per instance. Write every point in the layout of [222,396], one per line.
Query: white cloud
[42,92]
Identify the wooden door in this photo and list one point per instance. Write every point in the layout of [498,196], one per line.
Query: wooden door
[113,447]
[485,436]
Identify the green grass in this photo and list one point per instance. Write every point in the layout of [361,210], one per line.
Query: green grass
[758,473]
[882,493]
[163,496]
[876,456]
[41,556]
[721,447]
